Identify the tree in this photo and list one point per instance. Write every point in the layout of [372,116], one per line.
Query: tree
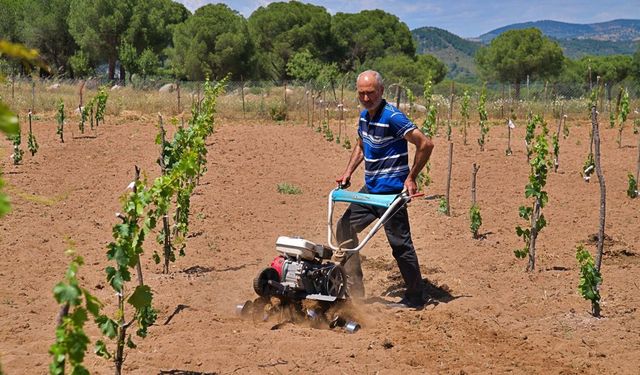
[148,63]
[46,29]
[214,41]
[517,54]
[304,66]
[634,70]
[281,29]
[611,69]
[368,35]
[11,15]
[402,68]
[128,57]
[98,27]
[152,25]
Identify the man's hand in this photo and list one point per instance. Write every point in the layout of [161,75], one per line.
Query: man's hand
[411,186]
[344,179]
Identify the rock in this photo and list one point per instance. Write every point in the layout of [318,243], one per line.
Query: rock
[168,88]
[53,87]
[116,87]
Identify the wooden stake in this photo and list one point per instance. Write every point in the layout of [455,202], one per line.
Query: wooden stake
[448,213]
[450,111]
[556,157]
[178,91]
[603,200]
[242,96]
[474,172]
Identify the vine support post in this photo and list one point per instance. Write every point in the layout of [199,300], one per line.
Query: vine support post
[556,156]
[307,96]
[603,195]
[531,266]
[450,111]
[341,111]
[509,151]
[448,213]
[242,96]
[313,107]
[166,246]
[474,173]
[138,265]
[638,161]
[285,94]
[178,93]
[33,93]
[30,130]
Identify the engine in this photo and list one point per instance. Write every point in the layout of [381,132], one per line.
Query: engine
[299,272]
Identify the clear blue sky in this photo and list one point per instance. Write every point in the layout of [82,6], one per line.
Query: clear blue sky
[466,18]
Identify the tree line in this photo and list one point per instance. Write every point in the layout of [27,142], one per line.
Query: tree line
[283,40]
[280,41]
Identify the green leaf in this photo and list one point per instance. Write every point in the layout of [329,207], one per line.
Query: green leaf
[78,316]
[8,121]
[114,278]
[65,293]
[542,222]
[108,326]
[130,343]
[156,257]
[92,303]
[141,297]
[101,350]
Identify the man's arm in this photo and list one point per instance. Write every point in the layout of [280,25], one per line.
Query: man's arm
[356,158]
[424,146]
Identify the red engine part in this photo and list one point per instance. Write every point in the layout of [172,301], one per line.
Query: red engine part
[277,263]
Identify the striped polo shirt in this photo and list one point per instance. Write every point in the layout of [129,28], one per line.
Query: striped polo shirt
[386,157]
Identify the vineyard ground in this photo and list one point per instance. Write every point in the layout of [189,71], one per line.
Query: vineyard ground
[488,315]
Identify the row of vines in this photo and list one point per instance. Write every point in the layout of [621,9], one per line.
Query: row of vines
[167,198]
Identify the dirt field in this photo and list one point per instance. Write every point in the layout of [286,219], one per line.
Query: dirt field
[487,315]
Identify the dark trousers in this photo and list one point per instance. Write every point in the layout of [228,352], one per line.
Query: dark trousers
[356,218]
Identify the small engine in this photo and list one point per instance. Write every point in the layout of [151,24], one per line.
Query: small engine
[299,272]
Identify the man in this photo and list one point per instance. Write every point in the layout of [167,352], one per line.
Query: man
[383,136]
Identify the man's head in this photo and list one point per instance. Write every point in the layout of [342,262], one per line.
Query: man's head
[370,90]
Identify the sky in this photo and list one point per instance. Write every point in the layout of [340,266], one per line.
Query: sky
[465,18]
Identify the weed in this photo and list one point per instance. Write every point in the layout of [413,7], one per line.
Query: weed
[287,188]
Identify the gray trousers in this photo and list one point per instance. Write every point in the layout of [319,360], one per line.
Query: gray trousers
[356,218]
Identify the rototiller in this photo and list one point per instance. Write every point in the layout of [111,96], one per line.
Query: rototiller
[303,270]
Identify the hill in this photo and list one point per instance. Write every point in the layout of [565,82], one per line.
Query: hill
[577,40]
[457,53]
[614,31]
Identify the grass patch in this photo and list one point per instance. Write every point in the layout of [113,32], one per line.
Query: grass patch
[287,188]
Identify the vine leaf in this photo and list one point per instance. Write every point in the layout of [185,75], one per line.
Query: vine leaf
[141,297]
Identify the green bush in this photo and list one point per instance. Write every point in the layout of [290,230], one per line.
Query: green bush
[278,112]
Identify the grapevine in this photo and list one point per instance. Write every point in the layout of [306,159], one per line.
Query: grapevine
[77,305]
[60,120]
[540,165]
[482,112]
[590,279]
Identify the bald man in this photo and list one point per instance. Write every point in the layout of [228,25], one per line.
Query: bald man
[384,133]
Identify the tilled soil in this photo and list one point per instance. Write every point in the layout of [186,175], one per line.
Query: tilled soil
[486,315]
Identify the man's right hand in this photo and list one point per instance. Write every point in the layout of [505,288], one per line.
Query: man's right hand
[344,181]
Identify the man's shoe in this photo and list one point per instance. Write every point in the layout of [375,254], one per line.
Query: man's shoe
[406,303]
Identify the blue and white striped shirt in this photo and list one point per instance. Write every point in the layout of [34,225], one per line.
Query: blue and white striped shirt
[386,156]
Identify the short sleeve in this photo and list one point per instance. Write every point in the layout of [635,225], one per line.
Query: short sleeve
[400,124]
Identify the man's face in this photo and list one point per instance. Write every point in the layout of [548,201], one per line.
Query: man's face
[369,92]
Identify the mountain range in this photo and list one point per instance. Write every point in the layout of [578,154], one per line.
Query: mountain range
[577,40]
